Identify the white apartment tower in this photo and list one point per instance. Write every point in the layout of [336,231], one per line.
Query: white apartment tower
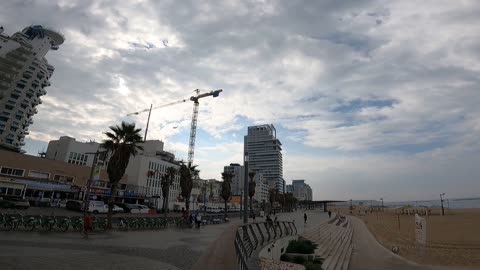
[265,154]
[24,73]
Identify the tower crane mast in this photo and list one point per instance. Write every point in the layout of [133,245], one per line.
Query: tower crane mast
[193,126]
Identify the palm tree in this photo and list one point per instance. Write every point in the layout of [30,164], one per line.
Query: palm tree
[122,142]
[187,173]
[167,180]
[226,188]
[272,193]
[251,189]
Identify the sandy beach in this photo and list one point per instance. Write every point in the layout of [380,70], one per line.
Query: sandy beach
[452,240]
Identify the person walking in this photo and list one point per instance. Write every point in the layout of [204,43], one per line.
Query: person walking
[329,214]
[305,218]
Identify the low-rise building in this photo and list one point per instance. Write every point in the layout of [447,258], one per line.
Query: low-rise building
[48,179]
[69,150]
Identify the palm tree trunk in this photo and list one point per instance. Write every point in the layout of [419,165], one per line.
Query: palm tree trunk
[111,201]
[166,202]
[251,205]
[187,205]
[225,209]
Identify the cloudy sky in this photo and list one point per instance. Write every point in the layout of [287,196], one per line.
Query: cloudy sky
[370,98]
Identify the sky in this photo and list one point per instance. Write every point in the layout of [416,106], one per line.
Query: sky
[370,99]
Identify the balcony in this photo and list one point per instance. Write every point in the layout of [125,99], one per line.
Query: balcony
[26,132]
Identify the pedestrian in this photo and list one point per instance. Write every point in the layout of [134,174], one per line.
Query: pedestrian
[253,216]
[305,218]
[198,220]
[329,214]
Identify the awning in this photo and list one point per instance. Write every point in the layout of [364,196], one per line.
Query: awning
[46,186]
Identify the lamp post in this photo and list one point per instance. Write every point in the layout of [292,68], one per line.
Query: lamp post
[441,203]
[381,199]
[245,188]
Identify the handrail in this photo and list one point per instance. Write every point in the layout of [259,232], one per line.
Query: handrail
[247,240]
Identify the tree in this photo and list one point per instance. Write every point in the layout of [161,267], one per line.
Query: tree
[226,189]
[272,193]
[122,142]
[210,197]
[167,181]
[251,189]
[187,173]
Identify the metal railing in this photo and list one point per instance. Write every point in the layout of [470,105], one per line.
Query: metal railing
[252,236]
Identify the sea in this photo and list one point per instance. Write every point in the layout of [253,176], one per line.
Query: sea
[473,202]
[448,202]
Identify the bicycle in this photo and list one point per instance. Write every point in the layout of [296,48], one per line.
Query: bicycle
[99,223]
[62,223]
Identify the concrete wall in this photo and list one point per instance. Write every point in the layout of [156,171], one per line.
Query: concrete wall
[275,249]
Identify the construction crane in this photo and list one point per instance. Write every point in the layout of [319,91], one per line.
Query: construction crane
[193,126]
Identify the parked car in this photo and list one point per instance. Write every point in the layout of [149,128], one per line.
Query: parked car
[141,209]
[126,207]
[97,207]
[14,203]
[6,204]
[21,204]
[74,205]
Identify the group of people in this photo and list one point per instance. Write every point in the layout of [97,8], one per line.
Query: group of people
[196,217]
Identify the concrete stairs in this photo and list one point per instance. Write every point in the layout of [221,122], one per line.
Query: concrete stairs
[334,239]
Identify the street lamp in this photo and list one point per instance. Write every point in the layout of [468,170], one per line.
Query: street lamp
[441,203]
[381,199]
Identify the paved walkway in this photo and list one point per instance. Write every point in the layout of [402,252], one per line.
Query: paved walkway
[369,254]
[171,249]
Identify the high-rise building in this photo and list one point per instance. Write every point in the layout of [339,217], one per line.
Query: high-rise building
[301,191]
[238,173]
[265,154]
[289,189]
[24,73]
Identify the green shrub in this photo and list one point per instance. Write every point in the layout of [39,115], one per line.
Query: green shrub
[301,246]
[284,258]
[312,266]
[298,260]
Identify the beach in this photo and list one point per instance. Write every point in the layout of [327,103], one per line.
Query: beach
[452,240]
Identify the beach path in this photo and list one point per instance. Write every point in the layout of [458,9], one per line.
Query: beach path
[369,254]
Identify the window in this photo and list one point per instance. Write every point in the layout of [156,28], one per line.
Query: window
[2,126]
[21,86]
[15,124]
[11,171]
[63,178]
[8,107]
[39,175]
[3,118]
[6,113]
[14,129]
[9,141]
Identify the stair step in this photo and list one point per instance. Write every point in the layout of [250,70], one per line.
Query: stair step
[326,241]
[330,245]
[346,262]
[337,246]
[336,263]
[342,257]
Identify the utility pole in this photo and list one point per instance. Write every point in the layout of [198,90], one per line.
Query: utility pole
[245,188]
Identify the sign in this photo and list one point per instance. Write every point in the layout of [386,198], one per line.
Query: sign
[420,230]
